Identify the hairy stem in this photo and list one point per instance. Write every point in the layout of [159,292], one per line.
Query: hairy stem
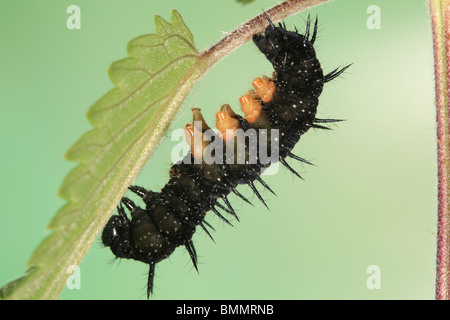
[440,18]
[244,32]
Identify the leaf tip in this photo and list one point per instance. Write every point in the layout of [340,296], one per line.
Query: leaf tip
[8,290]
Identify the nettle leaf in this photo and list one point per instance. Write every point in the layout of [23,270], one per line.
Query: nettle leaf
[128,123]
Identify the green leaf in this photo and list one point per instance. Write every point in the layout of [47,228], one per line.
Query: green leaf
[128,122]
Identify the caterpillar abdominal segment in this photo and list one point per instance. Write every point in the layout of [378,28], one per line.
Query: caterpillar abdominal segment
[277,112]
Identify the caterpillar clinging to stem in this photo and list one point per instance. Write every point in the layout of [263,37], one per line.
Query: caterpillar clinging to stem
[277,112]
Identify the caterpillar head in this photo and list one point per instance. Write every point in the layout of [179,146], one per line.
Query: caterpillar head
[116,235]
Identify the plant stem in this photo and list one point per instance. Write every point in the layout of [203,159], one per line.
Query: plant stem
[440,18]
[245,32]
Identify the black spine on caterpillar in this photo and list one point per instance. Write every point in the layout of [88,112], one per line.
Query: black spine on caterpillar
[284,106]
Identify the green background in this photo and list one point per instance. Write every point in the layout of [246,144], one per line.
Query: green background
[370,199]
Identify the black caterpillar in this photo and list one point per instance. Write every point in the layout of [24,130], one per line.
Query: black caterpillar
[279,110]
